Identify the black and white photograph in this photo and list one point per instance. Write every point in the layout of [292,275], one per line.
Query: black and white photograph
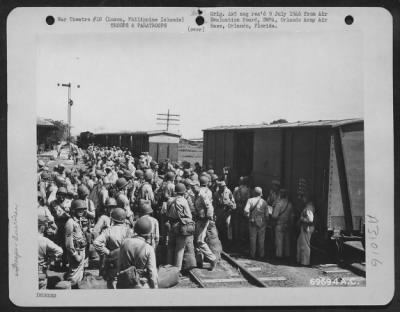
[186,151]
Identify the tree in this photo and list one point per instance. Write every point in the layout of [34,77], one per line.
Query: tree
[279,121]
[60,133]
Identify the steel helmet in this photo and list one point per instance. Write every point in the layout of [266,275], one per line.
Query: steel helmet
[62,190]
[169,176]
[118,215]
[41,163]
[143,226]
[121,183]
[145,207]
[148,175]
[214,177]
[203,180]
[180,188]
[127,174]
[83,190]
[111,202]
[78,204]
[100,174]
[139,174]
[60,181]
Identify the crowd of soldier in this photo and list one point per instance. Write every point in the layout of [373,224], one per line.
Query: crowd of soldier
[129,208]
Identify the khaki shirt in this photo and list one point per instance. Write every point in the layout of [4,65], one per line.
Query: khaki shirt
[203,203]
[257,210]
[137,252]
[111,238]
[47,250]
[178,207]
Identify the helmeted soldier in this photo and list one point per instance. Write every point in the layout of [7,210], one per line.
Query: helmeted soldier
[104,221]
[75,242]
[178,213]
[107,245]
[122,199]
[145,211]
[204,214]
[138,253]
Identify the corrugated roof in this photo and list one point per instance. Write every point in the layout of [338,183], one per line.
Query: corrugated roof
[317,123]
[149,133]
[44,122]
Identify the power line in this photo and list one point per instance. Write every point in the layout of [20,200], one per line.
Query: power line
[167,119]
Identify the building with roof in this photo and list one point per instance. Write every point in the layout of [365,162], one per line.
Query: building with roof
[44,129]
[159,143]
[324,158]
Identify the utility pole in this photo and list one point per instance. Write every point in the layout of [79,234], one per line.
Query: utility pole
[69,104]
[166,119]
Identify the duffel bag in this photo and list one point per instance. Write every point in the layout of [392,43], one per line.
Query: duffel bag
[168,276]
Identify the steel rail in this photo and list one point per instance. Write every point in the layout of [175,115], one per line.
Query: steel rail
[246,273]
[196,279]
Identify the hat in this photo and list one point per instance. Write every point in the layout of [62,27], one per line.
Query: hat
[62,190]
[145,207]
[143,226]
[127,174]
[118,215]
[121,183]
[41,163]
[100,173]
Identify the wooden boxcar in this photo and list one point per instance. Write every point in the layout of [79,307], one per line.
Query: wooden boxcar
[159,144]
[325,157]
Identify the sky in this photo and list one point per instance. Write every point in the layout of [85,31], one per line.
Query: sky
[210,79]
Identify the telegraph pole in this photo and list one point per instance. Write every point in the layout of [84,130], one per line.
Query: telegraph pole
[69,104]
[167,118]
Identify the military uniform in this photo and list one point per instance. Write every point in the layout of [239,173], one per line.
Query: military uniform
[204,212]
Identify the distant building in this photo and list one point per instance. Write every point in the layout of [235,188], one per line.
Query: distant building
[160,144]
[44,129]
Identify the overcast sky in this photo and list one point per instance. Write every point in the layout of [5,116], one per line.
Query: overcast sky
[210,79]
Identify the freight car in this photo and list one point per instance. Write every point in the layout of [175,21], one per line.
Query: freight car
[159,144]
[324,157]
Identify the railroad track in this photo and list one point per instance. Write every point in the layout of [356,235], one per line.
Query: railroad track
[236,270]
[231,272]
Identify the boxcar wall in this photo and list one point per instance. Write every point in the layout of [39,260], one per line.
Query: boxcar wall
[326,161]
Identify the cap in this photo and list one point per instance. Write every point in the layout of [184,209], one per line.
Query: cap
[145,207]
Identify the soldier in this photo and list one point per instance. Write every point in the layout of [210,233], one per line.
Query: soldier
[204,213]
[122,199]
[61,214]
[136,252]
[75,242]
[107,245]
[225,203]
[239,222]
[167,191]
[47,251]
[283,216]
[306,222]
[257,211]
[146,189]
[145,211]
[104,221]
[179,215]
